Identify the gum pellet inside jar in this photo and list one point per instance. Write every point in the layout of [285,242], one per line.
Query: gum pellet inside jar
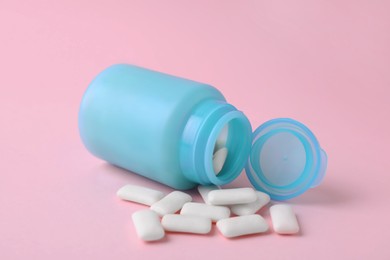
[220,150]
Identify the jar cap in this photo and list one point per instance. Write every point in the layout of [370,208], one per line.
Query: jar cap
[286,159]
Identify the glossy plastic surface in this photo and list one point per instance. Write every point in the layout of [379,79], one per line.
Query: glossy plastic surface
[161,127]
[286,159]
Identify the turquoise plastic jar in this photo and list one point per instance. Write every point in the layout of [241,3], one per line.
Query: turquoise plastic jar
[165,128]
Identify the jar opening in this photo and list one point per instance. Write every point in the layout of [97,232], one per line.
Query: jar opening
[231,138]
[210,120]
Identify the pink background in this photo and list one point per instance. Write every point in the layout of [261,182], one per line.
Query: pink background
[325,63]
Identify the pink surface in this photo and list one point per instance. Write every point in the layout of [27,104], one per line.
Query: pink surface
[325,63]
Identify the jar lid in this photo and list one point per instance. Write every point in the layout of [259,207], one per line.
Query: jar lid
[286,159]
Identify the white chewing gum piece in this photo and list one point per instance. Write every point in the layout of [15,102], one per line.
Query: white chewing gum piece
[284,220]
[186,224]
[171,203]
[139,194]
[232,196]
[214,213]
[242,225]
[219,159]
[251,208]
[147,225]
[222,138]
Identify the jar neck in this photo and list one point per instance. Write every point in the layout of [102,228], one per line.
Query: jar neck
[200,135]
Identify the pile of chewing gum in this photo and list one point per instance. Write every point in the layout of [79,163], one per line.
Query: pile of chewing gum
[175,212]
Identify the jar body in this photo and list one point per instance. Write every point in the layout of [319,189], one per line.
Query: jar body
[134,118]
